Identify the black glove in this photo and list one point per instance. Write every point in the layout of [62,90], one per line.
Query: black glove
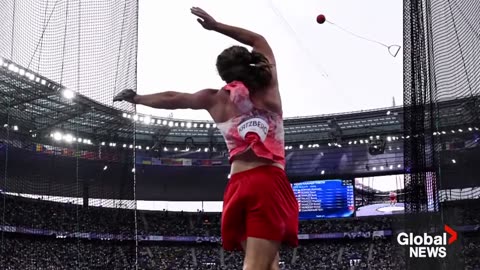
[125,95]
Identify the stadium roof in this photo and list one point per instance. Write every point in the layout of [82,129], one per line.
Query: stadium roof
[39,106]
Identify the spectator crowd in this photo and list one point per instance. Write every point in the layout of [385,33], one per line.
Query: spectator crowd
[28,251]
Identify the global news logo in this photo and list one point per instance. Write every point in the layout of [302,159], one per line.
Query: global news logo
[427,246]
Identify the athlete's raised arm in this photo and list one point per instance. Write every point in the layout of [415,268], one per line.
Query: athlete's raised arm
[247,37]
[171,100]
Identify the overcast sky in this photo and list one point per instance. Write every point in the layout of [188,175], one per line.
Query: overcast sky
[322,69]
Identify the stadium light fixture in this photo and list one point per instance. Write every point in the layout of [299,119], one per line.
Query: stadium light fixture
[135,117]
[12,67]
[175,149]
[68,138]
[124,146]
[170,124]
[399,165]
[147,120]
[301,146]
[148,148]
[322,172]
[165,149]
[103,143]
[68,94]
[454,161]
[207,125]
[15,128]
[57,136]
[195,125]
[176,124]
[214,125]
[105,168]
[201,126]
[189,125]
[206,149]
[182,124]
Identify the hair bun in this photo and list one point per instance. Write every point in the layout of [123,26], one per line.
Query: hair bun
[256,57]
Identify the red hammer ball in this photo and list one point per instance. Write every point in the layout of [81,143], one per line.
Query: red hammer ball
[321,19]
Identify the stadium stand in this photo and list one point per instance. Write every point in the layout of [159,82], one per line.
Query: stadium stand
[32,248]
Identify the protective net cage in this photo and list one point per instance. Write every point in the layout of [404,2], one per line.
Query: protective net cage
[65,152]
[441,88]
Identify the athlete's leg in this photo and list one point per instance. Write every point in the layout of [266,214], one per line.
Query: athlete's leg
[276,262]
[261,254]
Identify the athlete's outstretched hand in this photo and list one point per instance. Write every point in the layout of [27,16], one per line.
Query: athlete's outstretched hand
[207,21]
[127,95]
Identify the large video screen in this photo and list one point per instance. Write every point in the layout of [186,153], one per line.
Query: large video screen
[325,199]
[379,195]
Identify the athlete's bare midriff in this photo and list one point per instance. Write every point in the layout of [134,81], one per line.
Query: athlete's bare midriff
[248,160]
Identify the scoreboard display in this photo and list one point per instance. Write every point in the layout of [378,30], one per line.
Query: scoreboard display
[325,199]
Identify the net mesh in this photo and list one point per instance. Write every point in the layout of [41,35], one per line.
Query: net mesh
[61,62]
[441,63]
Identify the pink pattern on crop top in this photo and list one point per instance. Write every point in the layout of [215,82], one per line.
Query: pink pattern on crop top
[256,129]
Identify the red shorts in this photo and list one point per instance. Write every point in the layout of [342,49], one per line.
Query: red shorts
[259,203]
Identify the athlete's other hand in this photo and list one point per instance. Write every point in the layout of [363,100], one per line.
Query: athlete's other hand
[127,95]
[207,21]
